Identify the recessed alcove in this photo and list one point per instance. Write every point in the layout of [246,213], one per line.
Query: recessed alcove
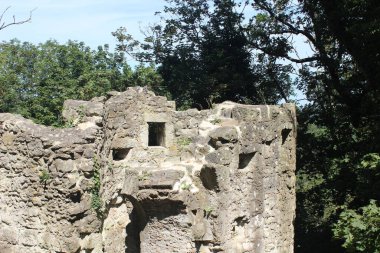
[120,154]
[209,178]
[151,220]
[284,135]
[245,159]
[75,197]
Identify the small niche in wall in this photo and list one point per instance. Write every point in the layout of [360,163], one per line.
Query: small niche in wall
[284,135]
[209,178]
[156,134]
[120,154]
[75,197]
[245,159]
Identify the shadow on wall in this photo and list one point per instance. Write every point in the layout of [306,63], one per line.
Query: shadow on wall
[137,224]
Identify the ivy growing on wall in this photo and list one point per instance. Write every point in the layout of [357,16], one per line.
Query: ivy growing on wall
[96,201]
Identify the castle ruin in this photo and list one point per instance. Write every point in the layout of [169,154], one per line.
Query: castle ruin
[134,175]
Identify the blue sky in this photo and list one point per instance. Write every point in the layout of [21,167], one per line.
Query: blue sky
[90,21]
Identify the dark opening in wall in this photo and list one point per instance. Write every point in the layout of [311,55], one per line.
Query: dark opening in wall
[132,240]
[75,197]
[284,134]
[209,178]
[120,154]
[137,223]
[156,134]
[245,159]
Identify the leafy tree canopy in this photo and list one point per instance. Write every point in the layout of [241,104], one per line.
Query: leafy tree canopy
[36,79]
[204,56]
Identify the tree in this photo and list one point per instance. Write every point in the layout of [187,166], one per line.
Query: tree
[36,79]
[355,25]
[203,55]
[339,129]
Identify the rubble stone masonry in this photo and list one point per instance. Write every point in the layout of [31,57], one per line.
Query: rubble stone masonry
[131,174]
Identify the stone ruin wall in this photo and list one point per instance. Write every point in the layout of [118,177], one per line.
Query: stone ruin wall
[219,180]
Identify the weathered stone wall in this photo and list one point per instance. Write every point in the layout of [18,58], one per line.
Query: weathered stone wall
[45,177]
[134,175]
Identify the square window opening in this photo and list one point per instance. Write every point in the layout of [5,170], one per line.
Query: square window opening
[156,134]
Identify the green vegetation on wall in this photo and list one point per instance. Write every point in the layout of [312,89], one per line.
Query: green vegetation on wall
[96,200]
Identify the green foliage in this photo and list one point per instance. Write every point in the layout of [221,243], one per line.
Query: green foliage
[110,166]
[370,161]
[216,121]
[208,210]
[36,79]
[96,200]
[360,230]
[317,132]
[44,176]
[97,205]
[307,182]
[145,175]
[72,122]
[185,186]
[205,56]
[184,142]
[69,123]
[337,170]
[338,132]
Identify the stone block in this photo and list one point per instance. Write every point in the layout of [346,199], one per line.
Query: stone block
[160,179]
[64,166]
[221,156]
[224,134]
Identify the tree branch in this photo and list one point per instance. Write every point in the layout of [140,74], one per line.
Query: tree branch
[301,60]
[295,60]
[284,22]
[355,45]
[4,25]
